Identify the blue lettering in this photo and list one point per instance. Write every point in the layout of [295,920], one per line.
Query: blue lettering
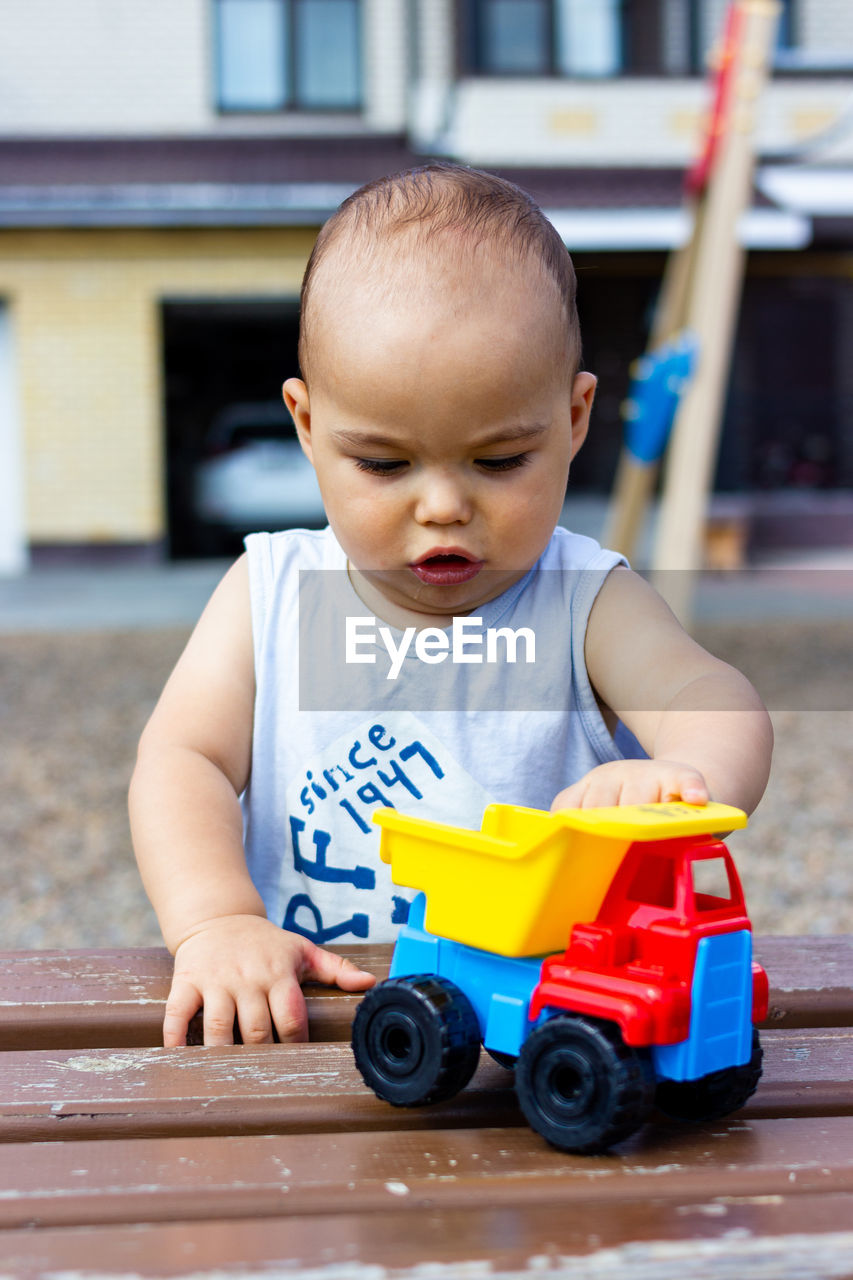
[318,791]
[357,924]
[399,776]
[418,748]
[356,763]
[356,817]
[372,795]
[376,734]
[360,877]
[400,913]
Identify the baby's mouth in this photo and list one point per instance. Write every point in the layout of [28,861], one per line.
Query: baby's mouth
[446,568]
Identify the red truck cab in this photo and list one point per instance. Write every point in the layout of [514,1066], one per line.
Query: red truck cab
[635,963]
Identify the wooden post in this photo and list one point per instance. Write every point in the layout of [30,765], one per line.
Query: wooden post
[635,478]
[711,315]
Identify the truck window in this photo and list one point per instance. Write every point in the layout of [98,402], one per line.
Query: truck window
[711,885]
[654,882]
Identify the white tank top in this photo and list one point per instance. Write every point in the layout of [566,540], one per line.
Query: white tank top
[347,718]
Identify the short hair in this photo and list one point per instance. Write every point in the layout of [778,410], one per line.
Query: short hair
[442,196]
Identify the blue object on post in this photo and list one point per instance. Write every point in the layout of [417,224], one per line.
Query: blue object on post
[658,383]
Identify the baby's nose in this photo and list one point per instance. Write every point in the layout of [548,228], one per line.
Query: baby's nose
[442,499]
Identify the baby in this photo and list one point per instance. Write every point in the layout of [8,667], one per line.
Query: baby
[443,644]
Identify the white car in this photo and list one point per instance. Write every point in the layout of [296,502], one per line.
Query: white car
[254,474]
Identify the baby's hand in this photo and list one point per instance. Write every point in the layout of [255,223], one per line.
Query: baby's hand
[634,782]
[248,968]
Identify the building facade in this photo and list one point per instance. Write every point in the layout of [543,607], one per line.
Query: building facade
[164,168]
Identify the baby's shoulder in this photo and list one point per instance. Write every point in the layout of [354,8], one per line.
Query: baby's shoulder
[294,549]
[577,551]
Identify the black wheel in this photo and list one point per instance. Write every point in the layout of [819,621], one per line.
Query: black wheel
[581,1086]
[416,1040]
[713,1096]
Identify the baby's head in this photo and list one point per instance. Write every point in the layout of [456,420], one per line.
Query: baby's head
[440,399]
[412,230]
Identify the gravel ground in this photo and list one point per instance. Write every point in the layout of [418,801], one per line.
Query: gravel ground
[72,707]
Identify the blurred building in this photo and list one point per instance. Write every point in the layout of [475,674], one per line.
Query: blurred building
[164,167]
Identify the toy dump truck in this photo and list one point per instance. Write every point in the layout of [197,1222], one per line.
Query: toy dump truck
[651,998]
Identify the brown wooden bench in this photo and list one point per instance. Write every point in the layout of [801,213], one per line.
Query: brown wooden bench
[118,1157]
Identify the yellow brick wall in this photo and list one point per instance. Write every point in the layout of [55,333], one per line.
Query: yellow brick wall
[85,310]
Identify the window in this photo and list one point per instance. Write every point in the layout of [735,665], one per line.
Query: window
[604,37]
[515,36]
[826,52]
[785,32]
[712,887]
[589,37]
[545,37]
[275,55]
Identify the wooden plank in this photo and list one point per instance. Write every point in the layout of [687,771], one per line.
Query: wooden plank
[811,980]
[114,998]
[173,1179]
[807,1072]
[77,998]
[783,1237]
[710,313]
[69,1095]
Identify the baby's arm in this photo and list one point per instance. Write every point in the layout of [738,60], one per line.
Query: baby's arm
[702,724]
[194,760]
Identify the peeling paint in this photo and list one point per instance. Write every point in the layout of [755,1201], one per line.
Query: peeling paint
[103,1065]
[713,1210]
[47,1005]
[769,1199]
[736,1255]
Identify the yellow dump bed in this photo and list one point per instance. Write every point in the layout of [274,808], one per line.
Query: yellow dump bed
[519,884]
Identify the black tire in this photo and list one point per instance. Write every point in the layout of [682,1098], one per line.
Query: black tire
[713,1096]
[580,1086]
[416,1040]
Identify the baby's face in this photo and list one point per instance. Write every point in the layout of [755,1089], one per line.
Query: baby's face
[441,425]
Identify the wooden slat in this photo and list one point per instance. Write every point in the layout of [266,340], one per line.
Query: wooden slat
[69,1095]
[46,1095]
[172,1179]
[114,998]
[811,980]
[807,1072]
[779,1237]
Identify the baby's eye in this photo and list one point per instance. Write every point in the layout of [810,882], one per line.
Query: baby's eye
[504,464]
[380,466]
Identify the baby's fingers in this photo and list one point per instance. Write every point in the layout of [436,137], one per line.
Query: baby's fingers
[183,1003]
[253,1019]
[571,798]
[690,787]
[334,971]
[289,1013]
[220,1010]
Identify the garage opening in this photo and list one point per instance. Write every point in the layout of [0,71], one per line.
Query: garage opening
[232,458]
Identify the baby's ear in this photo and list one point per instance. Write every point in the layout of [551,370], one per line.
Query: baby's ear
[295,395]
[583,394]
